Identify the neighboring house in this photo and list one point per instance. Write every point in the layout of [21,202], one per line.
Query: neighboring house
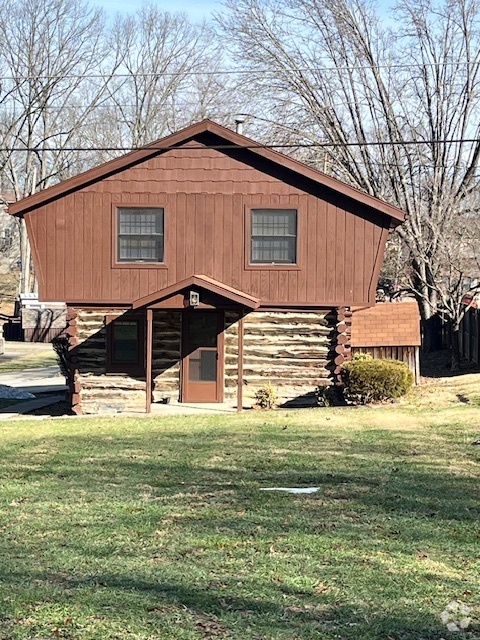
[202,266]
[41,323]
[388,330]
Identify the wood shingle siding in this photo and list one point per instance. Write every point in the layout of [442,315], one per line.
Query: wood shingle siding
[389,330]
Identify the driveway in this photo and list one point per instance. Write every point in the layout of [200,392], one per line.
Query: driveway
[37,380]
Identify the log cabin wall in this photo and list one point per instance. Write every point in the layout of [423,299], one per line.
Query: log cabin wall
[101,392]
[207,197]
[167,327]
[292,351]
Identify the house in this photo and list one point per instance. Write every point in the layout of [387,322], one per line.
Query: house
[40,323]
[388,330]
[203,266]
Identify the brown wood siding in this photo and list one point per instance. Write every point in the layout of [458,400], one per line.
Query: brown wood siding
[205,195]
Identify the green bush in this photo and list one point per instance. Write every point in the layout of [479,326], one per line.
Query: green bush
[375,380]
[362,356]
[60,346]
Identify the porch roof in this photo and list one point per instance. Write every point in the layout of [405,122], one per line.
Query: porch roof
[202,282]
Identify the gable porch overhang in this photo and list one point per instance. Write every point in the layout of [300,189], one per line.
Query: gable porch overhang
[176,296]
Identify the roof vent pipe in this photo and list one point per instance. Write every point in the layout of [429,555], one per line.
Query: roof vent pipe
[239,120]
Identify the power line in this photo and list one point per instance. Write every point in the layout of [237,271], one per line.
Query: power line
[153,74]
[226,147]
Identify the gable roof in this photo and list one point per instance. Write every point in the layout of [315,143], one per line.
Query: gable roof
[222,137]
[202,282]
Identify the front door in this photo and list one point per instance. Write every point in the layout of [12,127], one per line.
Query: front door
[202,369]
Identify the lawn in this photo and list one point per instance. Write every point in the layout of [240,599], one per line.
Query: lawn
[157,529]
[28,360]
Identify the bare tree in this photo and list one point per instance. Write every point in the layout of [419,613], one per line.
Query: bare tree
[167,79]
[396,106]
[49,51]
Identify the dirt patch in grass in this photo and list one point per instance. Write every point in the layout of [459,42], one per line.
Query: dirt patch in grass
[57,409]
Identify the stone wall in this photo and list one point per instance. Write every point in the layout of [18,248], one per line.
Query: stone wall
[42,325]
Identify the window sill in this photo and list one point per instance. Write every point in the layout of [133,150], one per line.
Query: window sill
[139,265]
[134,372]
[272,266]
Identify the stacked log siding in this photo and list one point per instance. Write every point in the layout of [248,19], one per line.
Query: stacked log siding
[103,393]
[289,350]
[167,326]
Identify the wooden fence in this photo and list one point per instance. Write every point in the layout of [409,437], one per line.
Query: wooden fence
[469,336]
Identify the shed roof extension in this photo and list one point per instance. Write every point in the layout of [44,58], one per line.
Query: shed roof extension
[213,135]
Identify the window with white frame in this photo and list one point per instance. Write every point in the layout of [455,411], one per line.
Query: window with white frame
[273,236]
[140,234]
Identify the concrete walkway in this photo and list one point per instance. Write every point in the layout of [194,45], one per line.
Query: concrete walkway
[39,381]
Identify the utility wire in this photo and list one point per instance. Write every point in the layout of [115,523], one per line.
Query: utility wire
[153,74]
[224,147]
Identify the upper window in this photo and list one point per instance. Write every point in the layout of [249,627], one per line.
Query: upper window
[273,236]
[140,235]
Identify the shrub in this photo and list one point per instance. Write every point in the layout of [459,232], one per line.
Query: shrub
[266,397]
[362,356]
[375,380]
[60,346]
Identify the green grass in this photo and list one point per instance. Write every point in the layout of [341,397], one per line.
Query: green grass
[156,529]
[32,360]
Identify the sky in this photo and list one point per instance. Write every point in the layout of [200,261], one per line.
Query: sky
[196,9]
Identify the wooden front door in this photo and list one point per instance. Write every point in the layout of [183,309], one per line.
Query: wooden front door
[202,363]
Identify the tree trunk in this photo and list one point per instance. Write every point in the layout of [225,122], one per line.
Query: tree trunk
[432,334]
[455,342]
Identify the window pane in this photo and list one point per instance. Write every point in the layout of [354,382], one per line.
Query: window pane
[274,236]
[123,330]
[202,366]
[140,234]
[141,248]
[280,250]
[125,351]
[125,341]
